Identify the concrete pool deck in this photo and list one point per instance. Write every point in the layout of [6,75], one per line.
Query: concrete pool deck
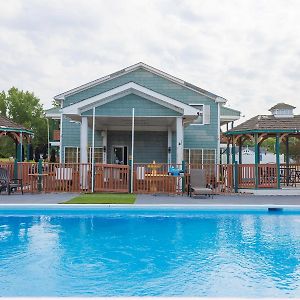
[239,199]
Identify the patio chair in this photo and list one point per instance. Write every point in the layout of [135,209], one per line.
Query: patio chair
[198,183]
[7,184]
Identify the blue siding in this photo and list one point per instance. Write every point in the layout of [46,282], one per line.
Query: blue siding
[123,107]
[71,135]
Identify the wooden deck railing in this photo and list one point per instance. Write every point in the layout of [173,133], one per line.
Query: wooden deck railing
[147,178]
[111,178]
[156,178]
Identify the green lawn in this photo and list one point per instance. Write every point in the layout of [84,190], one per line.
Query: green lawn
[103,199]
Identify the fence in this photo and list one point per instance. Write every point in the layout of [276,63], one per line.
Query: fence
[156,178]
[147,178]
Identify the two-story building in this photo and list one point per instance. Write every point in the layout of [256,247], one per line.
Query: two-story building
[173,119]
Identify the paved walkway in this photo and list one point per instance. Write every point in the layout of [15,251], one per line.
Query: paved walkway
[52,198]
[220,199]
[55,198]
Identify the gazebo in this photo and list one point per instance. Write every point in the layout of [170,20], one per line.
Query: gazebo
[281,124]
[19,134]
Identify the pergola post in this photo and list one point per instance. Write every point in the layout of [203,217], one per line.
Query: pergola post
[240,151]
[228,151]
[256,159]
[233,152]
[277,147]
[287,159]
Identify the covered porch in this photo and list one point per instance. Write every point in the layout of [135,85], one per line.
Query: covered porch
[132,123]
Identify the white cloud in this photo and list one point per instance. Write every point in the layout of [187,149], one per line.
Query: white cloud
[246,51]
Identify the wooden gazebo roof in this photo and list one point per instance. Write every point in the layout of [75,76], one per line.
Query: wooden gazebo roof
[268,123]
[7,125]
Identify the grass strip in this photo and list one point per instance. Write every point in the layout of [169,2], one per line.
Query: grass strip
[103,199]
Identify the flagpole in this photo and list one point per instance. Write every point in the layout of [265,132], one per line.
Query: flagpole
[132,151]
[93,149]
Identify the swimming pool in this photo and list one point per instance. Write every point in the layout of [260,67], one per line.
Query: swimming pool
[154,252]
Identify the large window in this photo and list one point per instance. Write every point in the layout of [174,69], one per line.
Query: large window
[72,155]
[200,156]
[98,154]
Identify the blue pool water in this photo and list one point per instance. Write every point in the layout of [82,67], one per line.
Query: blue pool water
[158,253]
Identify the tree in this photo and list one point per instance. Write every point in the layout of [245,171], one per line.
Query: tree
[25,108]
[3,107]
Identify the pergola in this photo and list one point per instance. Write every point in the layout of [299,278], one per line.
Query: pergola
[281,125]
[18,133]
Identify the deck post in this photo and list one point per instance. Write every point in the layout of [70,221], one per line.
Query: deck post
[16,168]
[256,159]
[236,177]
[278,159]
[40,172]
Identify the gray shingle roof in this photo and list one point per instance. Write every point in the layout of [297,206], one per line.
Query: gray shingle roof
[269,122]
[8,123]
[282,106]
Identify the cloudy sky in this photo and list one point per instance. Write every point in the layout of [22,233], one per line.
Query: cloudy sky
[245,51]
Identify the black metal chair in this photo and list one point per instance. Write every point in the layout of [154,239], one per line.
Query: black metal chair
[7,184]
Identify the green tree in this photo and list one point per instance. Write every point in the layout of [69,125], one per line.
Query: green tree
[25,108]
[3,105]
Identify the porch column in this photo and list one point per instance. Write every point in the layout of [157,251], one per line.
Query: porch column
[84,153]
[104,144]
[278,159]
[179,141]
[84,140]
[169,145]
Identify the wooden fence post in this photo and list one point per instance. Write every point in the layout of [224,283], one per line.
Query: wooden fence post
[40,172]
[236,177]
[16,168]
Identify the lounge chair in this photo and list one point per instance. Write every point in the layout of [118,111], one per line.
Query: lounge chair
[198,183]
[7,184]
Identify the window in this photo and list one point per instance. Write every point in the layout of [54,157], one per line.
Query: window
[200,156]
[200,119]
[98,154]
[72,155]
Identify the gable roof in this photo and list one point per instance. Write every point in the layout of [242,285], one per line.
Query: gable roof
[282,106]
[134,67]
[129,88]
